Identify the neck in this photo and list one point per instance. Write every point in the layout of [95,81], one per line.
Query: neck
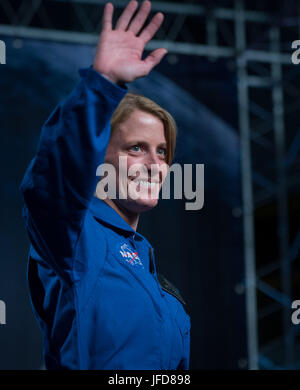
[131,218]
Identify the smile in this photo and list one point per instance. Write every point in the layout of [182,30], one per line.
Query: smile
[147,184]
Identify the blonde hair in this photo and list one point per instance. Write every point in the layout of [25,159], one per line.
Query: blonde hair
[133,101]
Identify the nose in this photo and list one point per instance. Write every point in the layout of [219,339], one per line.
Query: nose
[152,159]
[155,166]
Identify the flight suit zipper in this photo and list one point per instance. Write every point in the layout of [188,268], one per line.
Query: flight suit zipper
[153,271]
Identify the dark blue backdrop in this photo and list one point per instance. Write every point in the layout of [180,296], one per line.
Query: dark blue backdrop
[201,252]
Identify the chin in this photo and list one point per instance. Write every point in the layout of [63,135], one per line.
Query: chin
[142,205]
[140,199]
[139,205]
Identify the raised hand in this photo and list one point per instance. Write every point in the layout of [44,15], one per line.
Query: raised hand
[119,52]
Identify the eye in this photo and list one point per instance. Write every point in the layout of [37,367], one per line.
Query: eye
[135,148]
[162,151]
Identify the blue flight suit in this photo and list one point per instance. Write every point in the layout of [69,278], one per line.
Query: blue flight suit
[93,283]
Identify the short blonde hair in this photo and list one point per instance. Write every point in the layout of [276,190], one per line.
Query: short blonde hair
[133,101]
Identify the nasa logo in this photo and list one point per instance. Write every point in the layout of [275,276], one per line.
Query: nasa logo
[130,256]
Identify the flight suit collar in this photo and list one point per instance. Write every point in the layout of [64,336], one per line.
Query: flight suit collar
[109,216]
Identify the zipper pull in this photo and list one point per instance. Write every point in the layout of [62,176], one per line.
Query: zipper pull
[153,271]
[132,242]
[151,263]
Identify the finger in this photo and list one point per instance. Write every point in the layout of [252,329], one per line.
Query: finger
[154,58]
[107,17]
[140,18]
[149,31]
[126,15]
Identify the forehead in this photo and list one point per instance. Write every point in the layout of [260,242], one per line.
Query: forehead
[142,125]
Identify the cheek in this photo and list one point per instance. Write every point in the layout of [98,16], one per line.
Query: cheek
[111,157]
[136,166]
[131,160]
[164,168]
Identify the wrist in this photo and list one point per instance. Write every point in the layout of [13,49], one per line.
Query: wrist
[111,79]
[107,76]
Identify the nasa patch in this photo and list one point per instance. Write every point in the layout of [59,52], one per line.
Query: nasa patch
[128,254]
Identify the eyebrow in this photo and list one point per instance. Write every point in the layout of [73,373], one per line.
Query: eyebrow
[143,142]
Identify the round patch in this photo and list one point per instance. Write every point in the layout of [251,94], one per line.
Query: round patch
[129,255]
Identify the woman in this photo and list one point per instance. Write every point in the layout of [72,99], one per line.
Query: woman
[93,284]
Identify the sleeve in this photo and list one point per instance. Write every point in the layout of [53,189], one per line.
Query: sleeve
[187,351]
[185,361]
[61,179]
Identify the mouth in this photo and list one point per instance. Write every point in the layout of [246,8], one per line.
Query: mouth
[144,180]
[146,184]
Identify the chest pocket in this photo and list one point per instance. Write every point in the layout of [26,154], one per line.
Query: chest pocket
[171,289]
[182,319]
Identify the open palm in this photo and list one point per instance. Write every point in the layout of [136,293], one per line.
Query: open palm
[119,51]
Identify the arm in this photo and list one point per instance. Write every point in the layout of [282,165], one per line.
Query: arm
[61,179]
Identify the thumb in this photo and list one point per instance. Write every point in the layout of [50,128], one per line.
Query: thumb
[154,58]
